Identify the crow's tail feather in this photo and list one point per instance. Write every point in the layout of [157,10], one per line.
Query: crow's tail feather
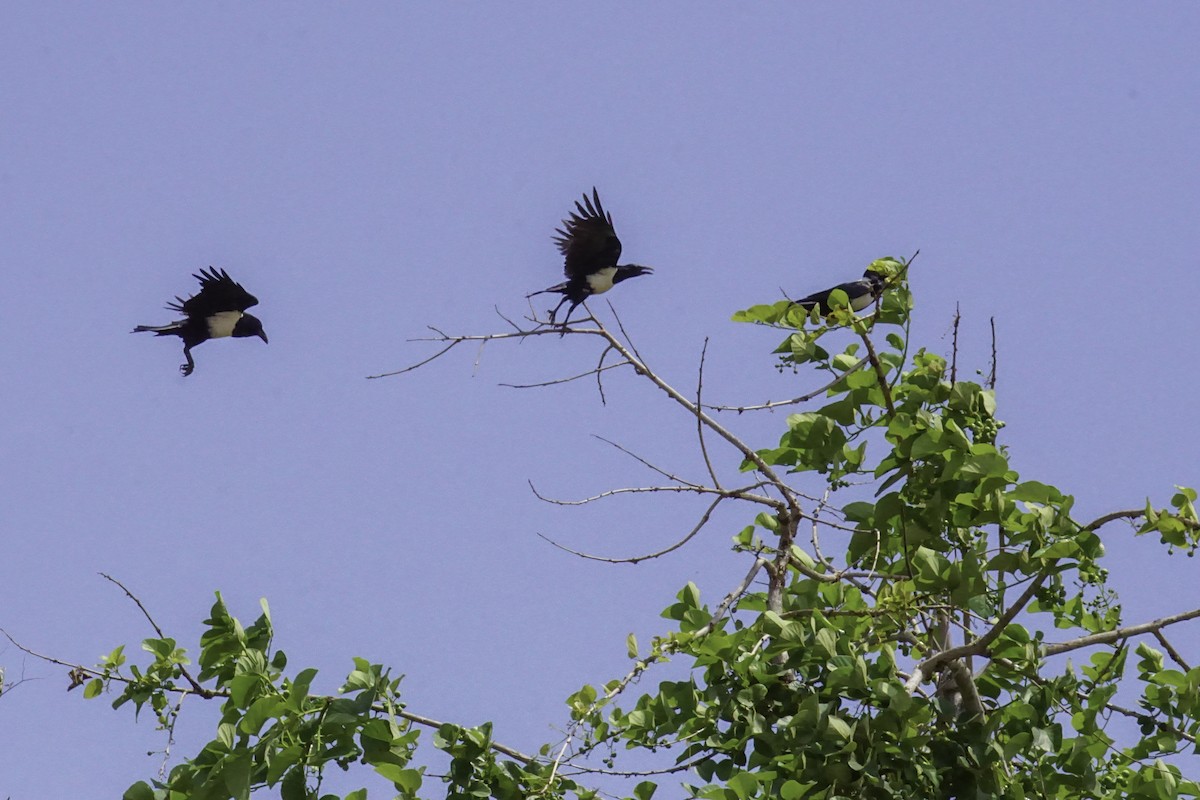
[158,330]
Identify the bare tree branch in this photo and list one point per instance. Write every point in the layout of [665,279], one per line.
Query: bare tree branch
[712,473]
[557,381]
[804,398]
[954,347]
[646,463]
[196,687]
[1171,651]
[599,369]
[621,328]
[745,493]
[1132,514]
[1141,716]
[635,559]
[419,364]
[791,496]
[1119,633]
[453,340]
[884,386]
[579,769]
[991,381]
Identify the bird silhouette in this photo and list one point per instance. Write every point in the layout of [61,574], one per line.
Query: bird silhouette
[590,249]
[216,311]
[860,294]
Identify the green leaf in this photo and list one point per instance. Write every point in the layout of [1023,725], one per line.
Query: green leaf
[294,786]
[827,640]
[139,791]
[631,646]
[1034,492]
[235,772]
[839,727]
[225,734]
[406,780]
[261,710]
[644,790]
[743,785]
[302,682]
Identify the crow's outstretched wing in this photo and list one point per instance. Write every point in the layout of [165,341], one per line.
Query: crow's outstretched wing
[587,239]
[218,292]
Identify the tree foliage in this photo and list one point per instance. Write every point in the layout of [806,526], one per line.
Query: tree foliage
[899,631]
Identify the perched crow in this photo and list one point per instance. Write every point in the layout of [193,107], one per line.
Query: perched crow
[217,310]
[591,248]
[860,293]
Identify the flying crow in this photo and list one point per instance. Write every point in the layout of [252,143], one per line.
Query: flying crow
[217,310]
[591,248]
[860,294]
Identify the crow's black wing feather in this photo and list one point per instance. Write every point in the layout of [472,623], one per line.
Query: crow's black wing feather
[218,292]
[587,239]
[855,292]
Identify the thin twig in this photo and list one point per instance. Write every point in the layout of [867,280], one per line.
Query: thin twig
[635,559]
[644,462]
[621,328]
[954,347]
[883,383]
[419,364]
[452,341]
[599,378]
[557,761]
[712,473]
[558,381]
[579,769]
[137,602]
[1144,717]
[804,398]
[745,493]
[790,495]
[827,577]
[1171,651]
[200,690]
[500,314]
[732,597]
[991,382]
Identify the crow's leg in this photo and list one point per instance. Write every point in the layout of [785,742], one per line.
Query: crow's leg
[566,321]
[187,368]
[554,310]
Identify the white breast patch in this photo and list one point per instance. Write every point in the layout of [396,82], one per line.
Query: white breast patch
[601,281]
[221,324]
[859,303]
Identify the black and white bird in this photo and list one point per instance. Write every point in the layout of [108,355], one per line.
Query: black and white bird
[859,294]
[217,310]
[591,249]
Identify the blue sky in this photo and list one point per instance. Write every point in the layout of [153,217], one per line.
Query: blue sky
[370,169]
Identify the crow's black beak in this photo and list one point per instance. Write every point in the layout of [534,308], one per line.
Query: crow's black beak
[262,335]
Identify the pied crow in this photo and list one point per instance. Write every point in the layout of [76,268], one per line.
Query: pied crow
[591,249]
[860,294]
[217,310]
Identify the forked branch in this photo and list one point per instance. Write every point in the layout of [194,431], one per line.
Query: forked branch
[629,355]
